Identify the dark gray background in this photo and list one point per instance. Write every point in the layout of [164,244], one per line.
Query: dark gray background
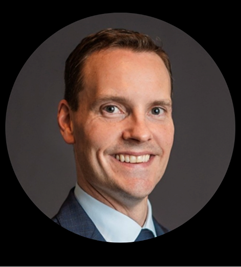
[203,117]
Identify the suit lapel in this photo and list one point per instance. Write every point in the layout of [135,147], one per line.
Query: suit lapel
[73,217]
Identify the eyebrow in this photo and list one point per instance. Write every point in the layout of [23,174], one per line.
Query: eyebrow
[166,102]
[124,100]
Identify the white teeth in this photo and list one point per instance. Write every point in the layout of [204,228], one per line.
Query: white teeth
[147,157]
[122,158]
[140,158]
[127,158]
[132,159]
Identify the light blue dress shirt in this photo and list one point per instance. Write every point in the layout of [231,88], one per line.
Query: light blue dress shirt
[113,225]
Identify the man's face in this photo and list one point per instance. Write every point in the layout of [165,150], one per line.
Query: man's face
[123,129]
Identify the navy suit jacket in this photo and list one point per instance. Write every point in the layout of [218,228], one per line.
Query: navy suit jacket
[72,217]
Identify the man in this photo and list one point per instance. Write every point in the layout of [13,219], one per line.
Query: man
[117,114]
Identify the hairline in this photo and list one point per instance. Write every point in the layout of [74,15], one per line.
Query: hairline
[107,39]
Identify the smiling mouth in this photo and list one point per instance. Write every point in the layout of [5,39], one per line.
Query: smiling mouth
[133,159]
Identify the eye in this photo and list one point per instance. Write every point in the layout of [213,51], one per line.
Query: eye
[111,109]
[157,111]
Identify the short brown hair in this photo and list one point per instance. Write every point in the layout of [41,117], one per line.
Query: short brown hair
[104,39]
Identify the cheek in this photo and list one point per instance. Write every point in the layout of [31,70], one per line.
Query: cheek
[170,136]
[98,136]
[165,137]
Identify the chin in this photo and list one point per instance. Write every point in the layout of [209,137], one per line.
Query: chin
[138,190]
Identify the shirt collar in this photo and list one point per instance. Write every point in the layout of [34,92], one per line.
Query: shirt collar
[113,225]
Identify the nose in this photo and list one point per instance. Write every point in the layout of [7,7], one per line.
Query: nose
[137,129]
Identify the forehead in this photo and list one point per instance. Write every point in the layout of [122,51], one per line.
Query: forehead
[117,57]
[121,71]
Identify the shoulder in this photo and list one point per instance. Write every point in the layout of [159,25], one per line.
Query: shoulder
[73,217]
[69,212]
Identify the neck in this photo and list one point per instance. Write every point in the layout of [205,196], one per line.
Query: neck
[136,209]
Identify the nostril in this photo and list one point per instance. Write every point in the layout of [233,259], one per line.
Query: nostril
[136,128]
[137,135]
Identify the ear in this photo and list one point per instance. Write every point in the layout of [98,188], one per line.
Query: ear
[64,121]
